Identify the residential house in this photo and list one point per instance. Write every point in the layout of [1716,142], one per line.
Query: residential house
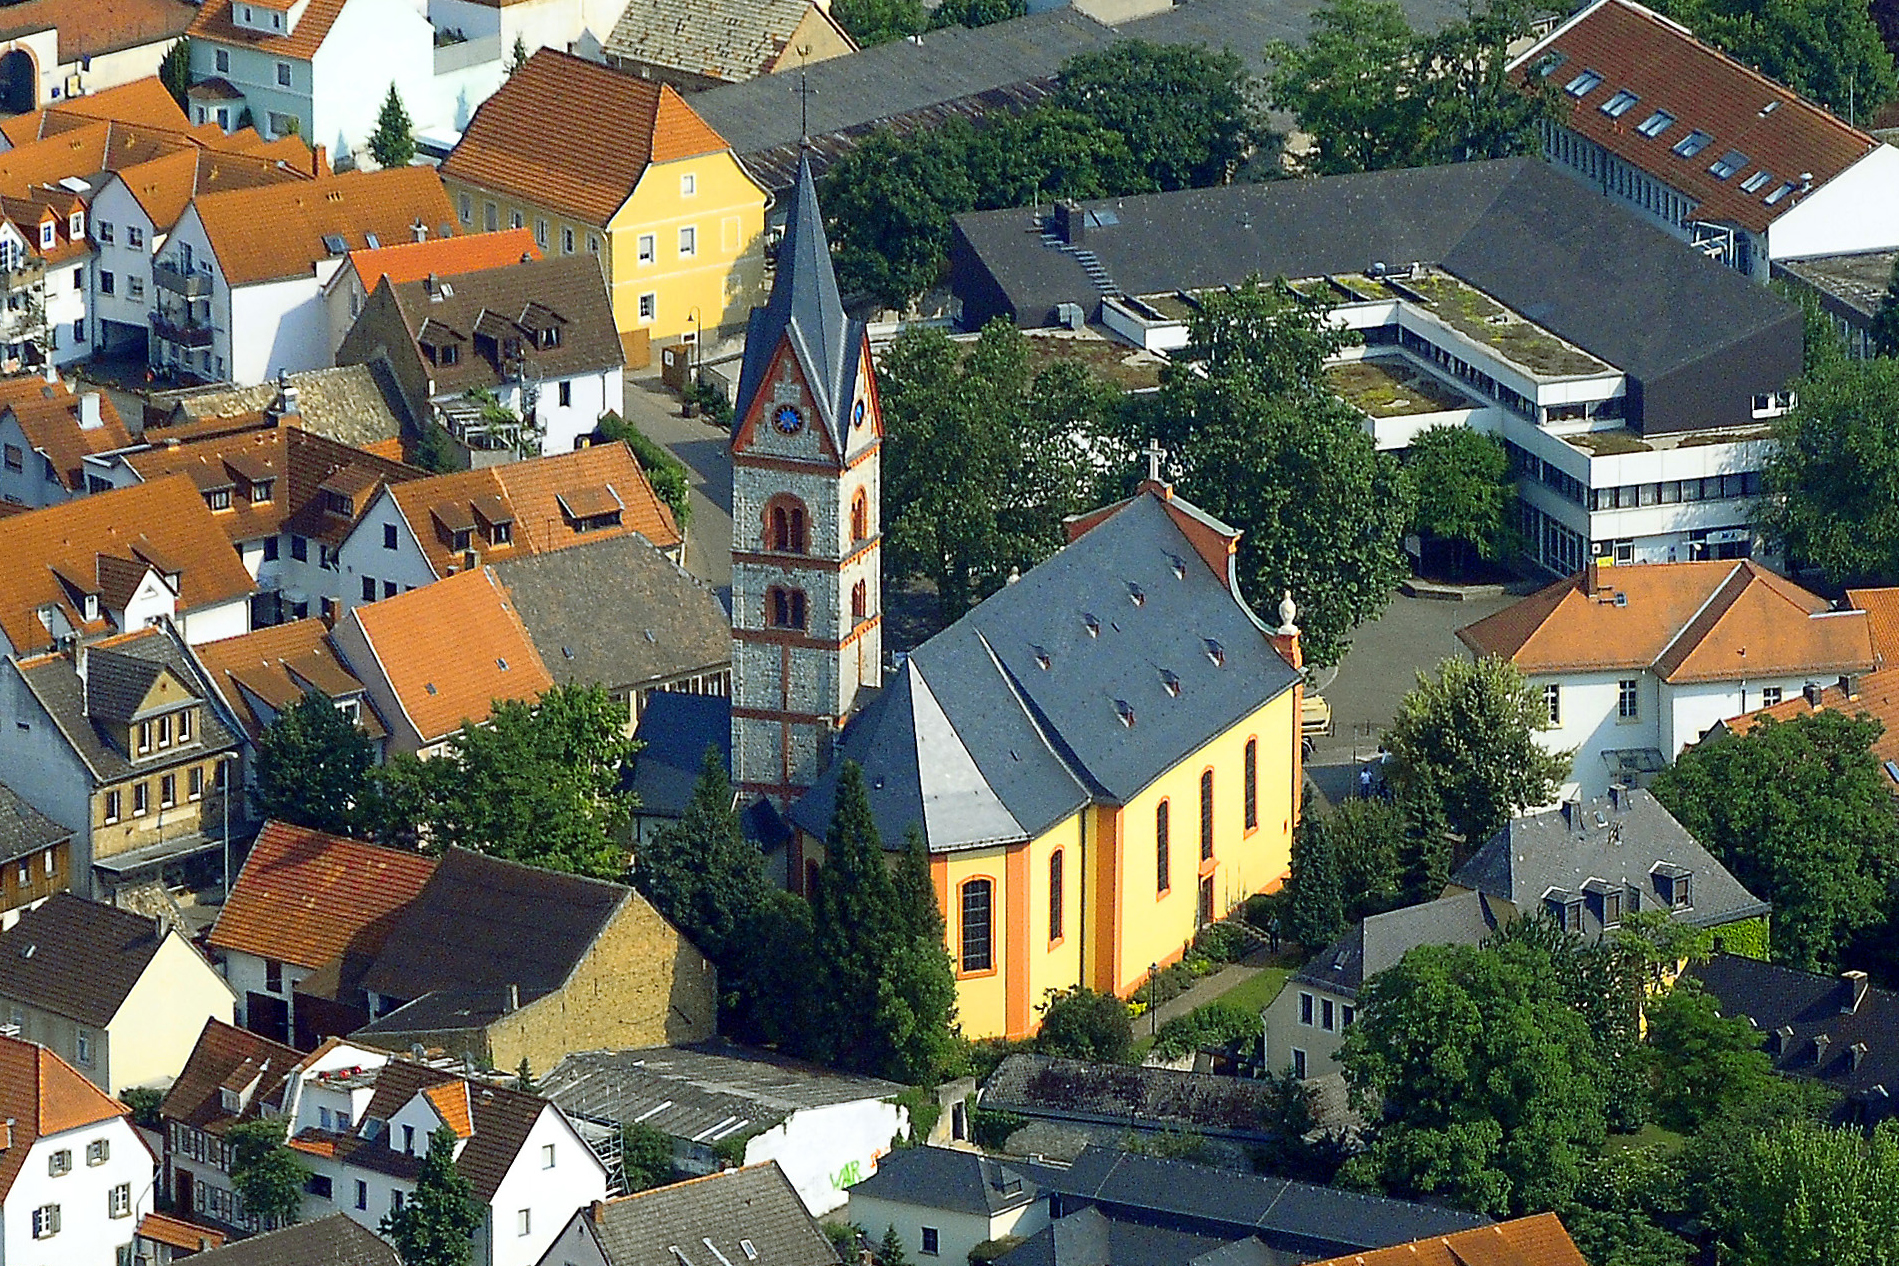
[243,269]
[46,432]
[1632,664]
[144,101]
[1875,695]
[75,1177]
[309,904]
[119,741]
[677,222]
[1840,1031]
[434,659]
[1538,1240]
[35,856]
[1586,866]
[710,42]
[1630,380]
[1117,1208]
[746,1214]
[945,1201]
[620,614]
[274,491]
[1704,147]
[44,255]
[231,1077]
[118,996]
[535,337]
[824,1130]
[415,533]
[117,562]
[526,1166]
[357,405]
[349,289]
[164,1239]
[322,69]
[511,964]
[56,49]
[331,1241]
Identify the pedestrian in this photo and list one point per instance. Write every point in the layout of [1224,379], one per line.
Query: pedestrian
[1272,933]
[1364,782]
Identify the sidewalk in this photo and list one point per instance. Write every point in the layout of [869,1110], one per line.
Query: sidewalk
[1201,992]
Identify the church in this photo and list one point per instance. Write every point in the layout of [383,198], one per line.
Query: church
[1101,757]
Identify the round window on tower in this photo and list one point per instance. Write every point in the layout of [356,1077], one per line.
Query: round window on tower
[857,414]
[788,420]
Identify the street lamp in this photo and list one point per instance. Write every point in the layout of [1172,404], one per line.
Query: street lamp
[224,760]
[698,339]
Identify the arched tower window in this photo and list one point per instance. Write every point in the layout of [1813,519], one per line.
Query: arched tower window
[860,600]
[785,608]
[860,516]
[785,531]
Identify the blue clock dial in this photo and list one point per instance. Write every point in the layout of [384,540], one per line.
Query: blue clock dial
[788,420]
[857,414]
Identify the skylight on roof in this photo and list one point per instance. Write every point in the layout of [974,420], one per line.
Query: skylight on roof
[1728,164]
[334,243]
[1620,104]
[1757,180]
[1656,123]
[1550,63]
[1584,84]
[374,242]
[1693,143]
[1786,187]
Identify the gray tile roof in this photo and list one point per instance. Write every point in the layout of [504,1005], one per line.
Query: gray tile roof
[977,738]
[76,958]
[617,612]
[24,830]
[694,1092]
[331,1241]
[1583,268]
[1090,1237]
[1044,1087]
[116,684]
[1621,847]
[709,1221]
[356,405]
[719,39]
[805,308]
[953,1179]
[1379,941]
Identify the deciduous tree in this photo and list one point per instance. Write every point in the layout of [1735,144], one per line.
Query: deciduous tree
[1079,1023]
[268,1175]
[880,21]
[1833,473]
[1698,1061]
[1827,50]
[313,767]
[975,12]
[1464,492]
[1808,1194]
[436,1225]
[1184,109]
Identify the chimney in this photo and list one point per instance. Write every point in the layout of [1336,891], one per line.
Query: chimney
[419,231]
[1618,798]
[1856,1054]
[89,418]
[598,1212]
[1849,685]
[1071,223]
[50,373]
[1820,1042]
[319,161]
[1855,991]
[287,401]
[1812,692]
[514,997]
[79,664]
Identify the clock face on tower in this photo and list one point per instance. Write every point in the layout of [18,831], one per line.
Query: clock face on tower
[788,420]
[857,414]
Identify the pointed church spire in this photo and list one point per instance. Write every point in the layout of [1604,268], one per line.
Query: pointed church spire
[805,307]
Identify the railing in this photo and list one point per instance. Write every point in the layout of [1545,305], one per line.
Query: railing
[191,285]
[460,56]
[187,334]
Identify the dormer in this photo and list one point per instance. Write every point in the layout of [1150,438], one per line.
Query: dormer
[1565,907]
[440,343]
[1673,886]
[495,518]
[590,509]
[48,229]
[542,325]
[76,224]
[454,524]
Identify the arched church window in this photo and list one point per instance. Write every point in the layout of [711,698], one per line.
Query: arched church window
[860,516]
[785,607]
[860,600]
[785,525]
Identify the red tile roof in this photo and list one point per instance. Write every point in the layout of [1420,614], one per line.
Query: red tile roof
[1778,133]
[1705,621]
[1882,608]
[304,896]
[41,1094]
[1875,695]
[266,670]
[145,101]
[278,231]
[179,1233]
[1533,1241]
[51,418]
[443,256]
[523,141]
[93,28]
[214,23]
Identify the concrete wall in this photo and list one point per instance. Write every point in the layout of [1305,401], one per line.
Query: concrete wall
[1858,210]
[823,1151]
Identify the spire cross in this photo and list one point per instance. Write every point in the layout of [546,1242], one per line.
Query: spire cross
[805,93]
[1154,453]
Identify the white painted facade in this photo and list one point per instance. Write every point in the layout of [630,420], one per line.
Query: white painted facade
[66,289]
[100,1198]
[586,397]
[956,1232]
[365,555]
[124,243]
[823,1151]
[249,973]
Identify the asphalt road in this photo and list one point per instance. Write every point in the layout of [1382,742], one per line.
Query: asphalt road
[654,409]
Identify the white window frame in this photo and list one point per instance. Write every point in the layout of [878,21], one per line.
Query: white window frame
[688,185]
[646,249]
[688,241]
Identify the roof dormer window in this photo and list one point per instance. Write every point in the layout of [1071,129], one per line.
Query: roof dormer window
[92,606]
[218,498]
[46,235]
[464,537]
[76,225]
[262,490]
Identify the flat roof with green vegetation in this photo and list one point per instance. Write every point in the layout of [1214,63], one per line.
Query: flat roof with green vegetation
[1128,368]
[1609,443]
[1393,389]
[1482,319]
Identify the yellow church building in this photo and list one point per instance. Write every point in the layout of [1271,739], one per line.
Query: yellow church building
[1103,757]
[594,160]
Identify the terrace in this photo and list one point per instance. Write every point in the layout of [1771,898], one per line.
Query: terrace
[1483,320]
[1390,388]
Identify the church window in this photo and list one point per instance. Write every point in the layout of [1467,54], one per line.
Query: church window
[1206,815]
[1252,784]
[1163,880]
[860,516]
[786,607]
[1055,896]
[860,600]
[785,525]
[978,951]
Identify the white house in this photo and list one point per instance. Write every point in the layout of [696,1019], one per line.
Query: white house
[1706,148]
[239,281]
[75,1177]
[44,255]
[47,431]
[1632,664]
[528,1167]
[943,1202]
[51,50]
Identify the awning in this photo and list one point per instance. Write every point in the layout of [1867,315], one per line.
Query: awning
[1626,762]
[152,856]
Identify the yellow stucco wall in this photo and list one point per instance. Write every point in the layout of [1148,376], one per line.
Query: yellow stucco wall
[816,39]
[1026,961]
[725,274]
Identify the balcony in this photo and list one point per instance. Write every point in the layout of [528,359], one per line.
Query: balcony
[187,285]
[25,277]
[187,333]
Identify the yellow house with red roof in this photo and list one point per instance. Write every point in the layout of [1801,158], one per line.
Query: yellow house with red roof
[646,184]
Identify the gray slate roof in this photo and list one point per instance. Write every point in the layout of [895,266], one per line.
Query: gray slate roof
[1090,1237]
[805,308]
[76,958]
[977,743]
[707,1218]
[59,690]
[1379,941]
[24,830]
[1618,846]
[693,1092]
[720,39]
[956,1180]
[1583,268]
[675,730]
[356,405]
[331,1241]
[617,612]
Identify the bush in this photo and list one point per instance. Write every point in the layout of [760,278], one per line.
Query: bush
[1082,1024]
[144,1101]
[1216,1026]
[920,1102]
[1222,943]
[667,473]
[992,1129]
[989,1250]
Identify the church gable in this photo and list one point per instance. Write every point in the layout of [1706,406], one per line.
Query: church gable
[781,419]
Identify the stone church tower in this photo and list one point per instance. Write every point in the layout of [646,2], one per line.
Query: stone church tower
[806,600]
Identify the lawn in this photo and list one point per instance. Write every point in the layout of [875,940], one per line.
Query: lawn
[1255,993]
[1649,1134]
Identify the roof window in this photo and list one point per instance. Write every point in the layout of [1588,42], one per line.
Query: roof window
[1757,180]
[1656,123]
[1620,104]
[1584,84]
[1215,652]
[1786,187]
[1170,683]
[334,244]
[1041,657]
[1728,164]
[1136,595]
[1693,143]
[1551,63]
[1124,710]
[1093,624]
